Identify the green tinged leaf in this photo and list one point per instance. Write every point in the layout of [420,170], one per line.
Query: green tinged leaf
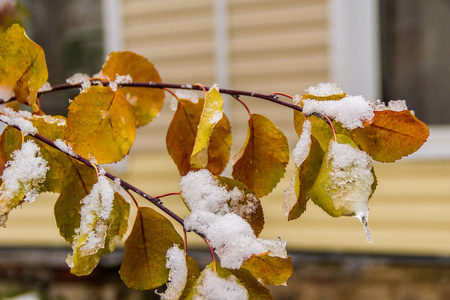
[22,66]
[261,162]
[343,191]
[106,132]
[77,185]
[305,177]
[181,136]
[248,206]
[192,276]
[391,135]
[144,262]
[211,114]
[117,224]
[146,103]
[268,269]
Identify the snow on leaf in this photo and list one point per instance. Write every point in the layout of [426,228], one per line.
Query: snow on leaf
[231,236]
[268,269]
[298,194]
[351,111]
[102,237]
[211,114]
[22,66]
[345,181]
[261,162]
[76,186]
[22,177]
[144,264]
[20,119]
[106,132]
[222,285]
[176,263]
[181,135]
[325,90]
[390,135]
[244,203]
[147,103]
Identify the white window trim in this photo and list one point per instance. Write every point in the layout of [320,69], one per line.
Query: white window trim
[356,66]
[112,25]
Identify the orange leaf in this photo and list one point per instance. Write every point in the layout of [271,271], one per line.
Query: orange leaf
[261,163]
[391,135]
[146,103]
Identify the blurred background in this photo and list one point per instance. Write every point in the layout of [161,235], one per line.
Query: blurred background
[387,49]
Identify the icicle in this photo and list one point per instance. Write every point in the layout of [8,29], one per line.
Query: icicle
[364,221]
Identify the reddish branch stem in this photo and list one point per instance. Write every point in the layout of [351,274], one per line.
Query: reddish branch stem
[234,93]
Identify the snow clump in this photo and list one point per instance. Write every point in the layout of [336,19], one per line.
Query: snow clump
[176,263]
[351,111]
[229,234]
[19,119]
[95,211]
[80,78]
[324,90]
[23,174]
[214,287]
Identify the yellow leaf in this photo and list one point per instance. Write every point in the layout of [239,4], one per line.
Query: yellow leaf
[181,135]
[146,102]
[22,66]
[100,124]
[211,114]
[262,161]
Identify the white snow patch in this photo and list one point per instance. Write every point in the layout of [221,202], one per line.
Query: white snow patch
[24,173]
[230,235]
[80,78]
[123,79]
[324,90]
[66,148]
[95,211]
[350,179]
[301,150]
[213,287]
[6,92]
[19,119]
[351,111]
[176,263]
[45,88]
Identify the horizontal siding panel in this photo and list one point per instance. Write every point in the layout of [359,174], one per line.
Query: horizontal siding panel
[163,9]
[261,43]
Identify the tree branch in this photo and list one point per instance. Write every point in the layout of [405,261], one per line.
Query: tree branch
[234,93]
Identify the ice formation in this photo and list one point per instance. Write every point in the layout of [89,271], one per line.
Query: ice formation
[350,180]
[230,235]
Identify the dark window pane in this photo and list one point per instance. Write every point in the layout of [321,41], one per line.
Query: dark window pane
[416,56]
